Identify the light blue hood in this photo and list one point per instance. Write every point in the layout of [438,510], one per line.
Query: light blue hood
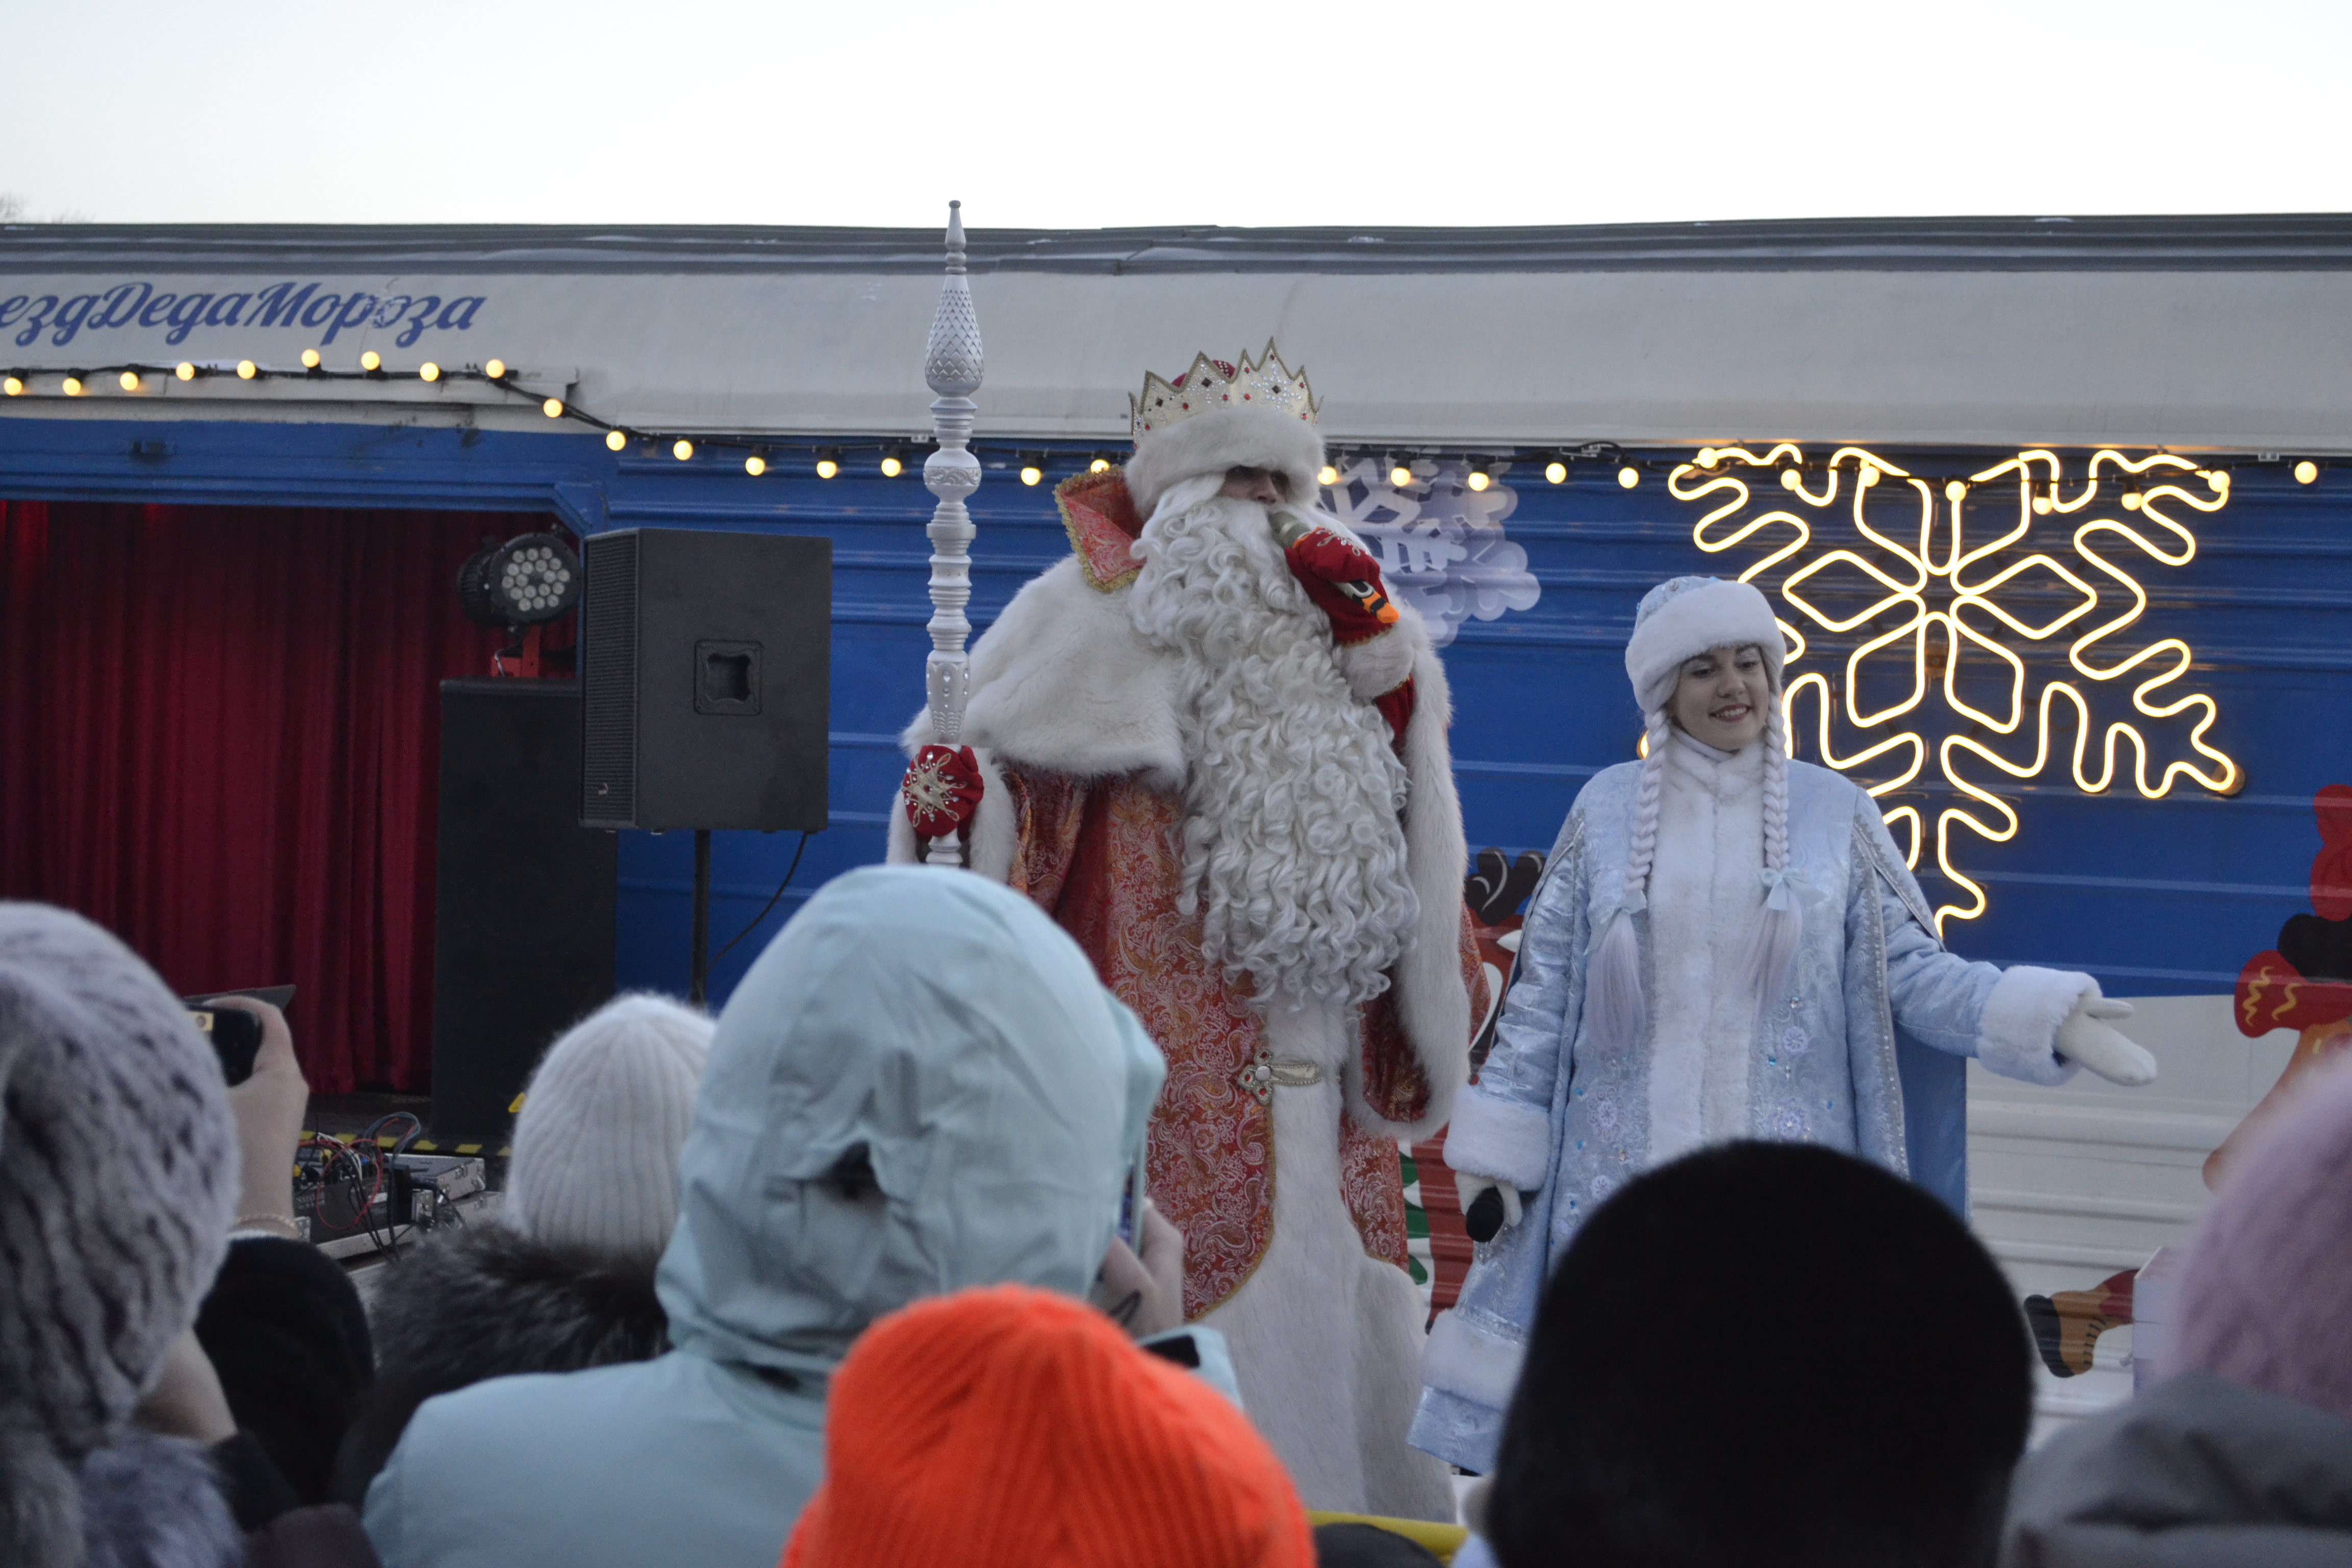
[948,1025]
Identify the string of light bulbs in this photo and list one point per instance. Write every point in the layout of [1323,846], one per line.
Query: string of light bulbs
[1558,464]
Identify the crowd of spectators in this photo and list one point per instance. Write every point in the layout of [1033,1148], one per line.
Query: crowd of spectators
[840,1280]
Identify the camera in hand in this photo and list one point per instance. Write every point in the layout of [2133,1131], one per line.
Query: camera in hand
[236,1034]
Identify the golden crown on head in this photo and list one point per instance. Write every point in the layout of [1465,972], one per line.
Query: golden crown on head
[1213,383]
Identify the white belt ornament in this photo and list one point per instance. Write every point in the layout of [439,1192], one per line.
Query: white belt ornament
[1266,1075]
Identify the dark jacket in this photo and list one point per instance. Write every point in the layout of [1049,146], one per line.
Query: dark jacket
[487,1302]
[2195,1473]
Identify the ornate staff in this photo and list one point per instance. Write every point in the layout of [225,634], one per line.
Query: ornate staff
[953,365]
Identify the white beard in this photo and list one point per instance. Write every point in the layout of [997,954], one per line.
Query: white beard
[1292,792]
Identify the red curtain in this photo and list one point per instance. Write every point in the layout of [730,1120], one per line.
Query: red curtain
[220,737]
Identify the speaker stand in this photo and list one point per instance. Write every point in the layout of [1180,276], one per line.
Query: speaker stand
[699,974]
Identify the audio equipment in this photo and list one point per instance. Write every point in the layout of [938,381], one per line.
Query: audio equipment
[523,911]
[705,658]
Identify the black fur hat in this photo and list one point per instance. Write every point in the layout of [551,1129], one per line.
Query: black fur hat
[1766,1354]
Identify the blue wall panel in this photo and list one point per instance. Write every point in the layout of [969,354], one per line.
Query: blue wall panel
[2154,897]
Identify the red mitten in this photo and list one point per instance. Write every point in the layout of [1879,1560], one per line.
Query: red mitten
[1345,584]
[942,790]
[1396,705]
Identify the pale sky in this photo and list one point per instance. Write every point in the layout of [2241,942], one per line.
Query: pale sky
[1123,112]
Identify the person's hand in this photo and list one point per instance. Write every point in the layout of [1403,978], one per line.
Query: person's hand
[1469,1187]
[1345,584]
[269,1106]
[2086,1037]
[187,1401]
[1145,1294]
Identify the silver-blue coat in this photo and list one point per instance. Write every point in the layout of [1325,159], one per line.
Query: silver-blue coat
[1865,1055]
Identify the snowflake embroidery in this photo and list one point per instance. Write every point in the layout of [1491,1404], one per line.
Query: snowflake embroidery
[1602,1187]
[1795,1042]
[1787,1121]
[928,788]
[1606,1112]
[1934,628]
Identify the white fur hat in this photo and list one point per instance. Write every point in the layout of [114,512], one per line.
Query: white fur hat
[1263,417]
[595,1147]
[1684,616]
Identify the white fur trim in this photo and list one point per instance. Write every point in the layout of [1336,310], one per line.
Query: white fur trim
[902,847]
[1377,665]
[1064,683]
[1226,438]
[1719,614]
[1471,1363]
[1499,1139]
[2019,1027]
[1705,891]
[1432,1002]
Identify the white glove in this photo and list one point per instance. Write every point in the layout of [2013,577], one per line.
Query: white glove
[1469,1186]
[2085,1037]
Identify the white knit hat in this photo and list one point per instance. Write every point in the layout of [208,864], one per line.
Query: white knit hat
[595,1147]
[1683,617]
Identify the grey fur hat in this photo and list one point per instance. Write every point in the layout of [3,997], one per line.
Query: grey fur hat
[119,1177]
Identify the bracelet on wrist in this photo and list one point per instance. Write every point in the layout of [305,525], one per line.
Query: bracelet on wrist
[283,1224]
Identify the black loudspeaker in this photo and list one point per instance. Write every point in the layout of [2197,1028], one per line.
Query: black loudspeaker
[522,918]
[706,659]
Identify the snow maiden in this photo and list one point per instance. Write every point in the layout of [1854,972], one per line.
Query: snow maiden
[1725,944]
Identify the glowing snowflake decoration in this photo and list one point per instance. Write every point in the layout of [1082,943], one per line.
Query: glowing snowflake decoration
[1956,601]
[1441,543]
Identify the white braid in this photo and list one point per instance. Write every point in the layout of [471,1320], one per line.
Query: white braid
[1776,789]
[1645,806]
[1619,1011]
[1773,945]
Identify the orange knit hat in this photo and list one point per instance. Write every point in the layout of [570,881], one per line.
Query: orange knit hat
[1008,1428]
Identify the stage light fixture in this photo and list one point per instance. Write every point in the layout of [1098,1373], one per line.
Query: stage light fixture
[528,580]
[682,451]
[615,441]
[1628,476]
[184,370]
[755,465]
[892,466]
[1555,472]
[1032,467]
[73,386]
[247,369]
[309,359]
[1101,464]
[127,381]
[496,369]
[371,362]
[1481,474]
[2306,472]
[828,462]
[552,408]
[1400,474]
[13,386]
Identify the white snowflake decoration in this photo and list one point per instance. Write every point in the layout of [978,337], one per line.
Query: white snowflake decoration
[1441,543]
